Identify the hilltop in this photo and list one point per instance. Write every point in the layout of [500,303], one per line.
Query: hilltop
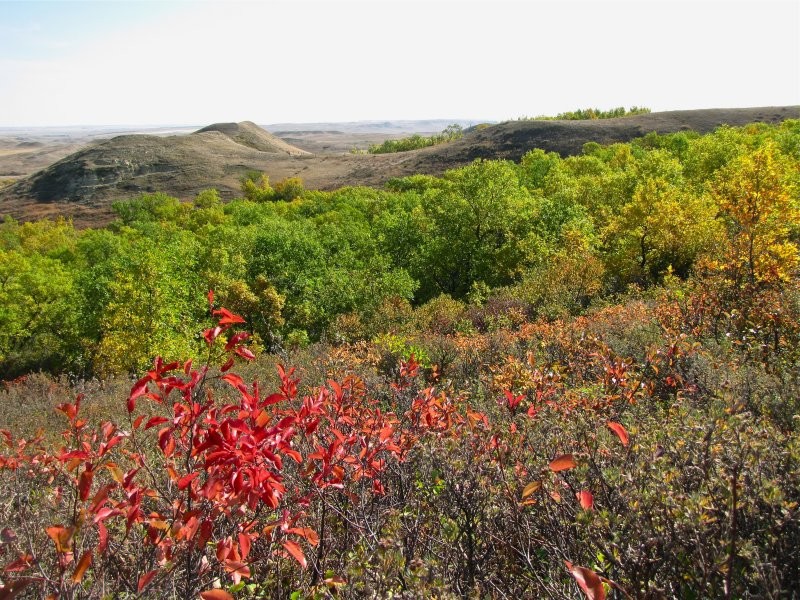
[252,136]
[83,184]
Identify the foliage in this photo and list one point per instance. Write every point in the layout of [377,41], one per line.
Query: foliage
[553,234]
[552,466]
[416,141]
[583,114]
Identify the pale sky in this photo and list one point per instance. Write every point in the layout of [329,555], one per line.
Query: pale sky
[191,62]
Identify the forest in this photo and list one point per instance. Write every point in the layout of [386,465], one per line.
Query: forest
[562,377]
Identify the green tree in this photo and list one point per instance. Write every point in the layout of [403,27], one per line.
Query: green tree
[154,304]
[478,225]
[37,317]
[255,187]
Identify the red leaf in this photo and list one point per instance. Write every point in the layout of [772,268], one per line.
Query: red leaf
[228,364]
[138,389]
[110,444]
[309,534]
[244,545]
[145,579]
[211,334]
[513,401]
[80,568]
[233,379]
[155,421]
[106,512]
[184,481]
[586,498]
[102,533]
[337,389]
[138,421]
[296,552]
[228,318]
[588,580]
[211,298]
[68,409]
[620,431]
[68,456]
[215,595]
[20,564]
[236,339]
[563,463]
[237,569]
[245,353]
[85,483]
[272,399]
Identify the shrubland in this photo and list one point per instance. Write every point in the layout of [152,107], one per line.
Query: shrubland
[558,378]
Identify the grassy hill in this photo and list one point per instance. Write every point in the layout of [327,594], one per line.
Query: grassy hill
[83,184]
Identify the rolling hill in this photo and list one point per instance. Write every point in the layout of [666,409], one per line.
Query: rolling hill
[84,184]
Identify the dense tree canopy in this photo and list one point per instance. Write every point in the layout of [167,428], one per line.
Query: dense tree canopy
[554,233]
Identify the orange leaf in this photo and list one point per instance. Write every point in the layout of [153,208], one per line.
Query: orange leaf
[586,498]
[116,472]
[296,552]
[335,581]
[62,537]
[620,431]
[237,569]
[306,532]
[215,595]
[588,580]
[531,488]
[563,463]
[80,568]
[145,579]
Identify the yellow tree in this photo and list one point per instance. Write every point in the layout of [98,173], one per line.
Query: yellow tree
[662,229]
[758,198]
[754,285]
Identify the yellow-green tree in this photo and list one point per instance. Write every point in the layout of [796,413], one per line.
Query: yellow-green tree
[154,308]
[757,195]
[664,226]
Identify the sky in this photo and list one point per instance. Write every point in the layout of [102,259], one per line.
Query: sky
[194,62]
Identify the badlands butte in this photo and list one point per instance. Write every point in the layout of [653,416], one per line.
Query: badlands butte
[83,184]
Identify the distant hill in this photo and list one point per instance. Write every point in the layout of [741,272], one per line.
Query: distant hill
[251,135]
[83,184]
[512,139]
[379,127]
